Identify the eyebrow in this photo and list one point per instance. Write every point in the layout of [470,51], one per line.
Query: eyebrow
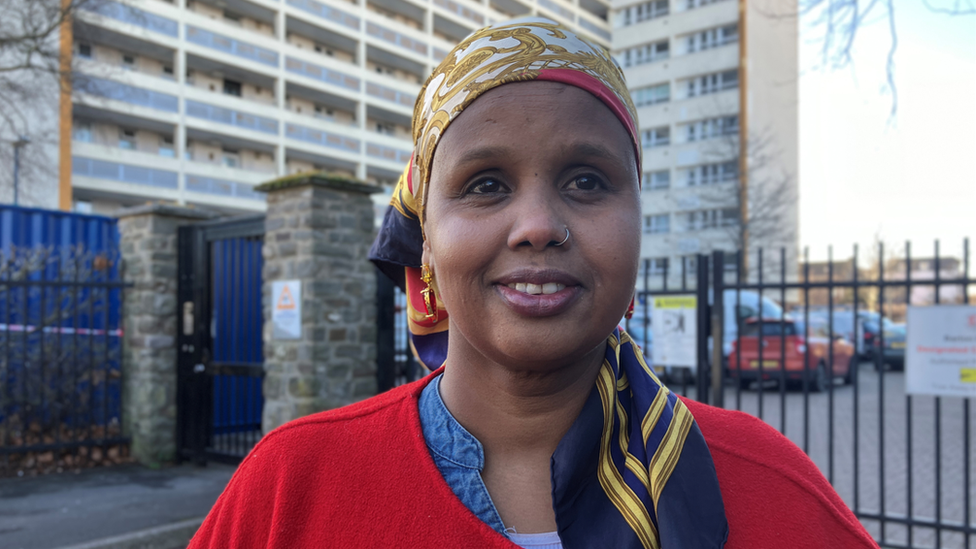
[576,150]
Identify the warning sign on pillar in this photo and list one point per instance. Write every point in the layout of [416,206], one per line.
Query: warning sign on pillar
[286,312]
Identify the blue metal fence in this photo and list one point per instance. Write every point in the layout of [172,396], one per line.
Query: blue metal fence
[236,319]
[60,334]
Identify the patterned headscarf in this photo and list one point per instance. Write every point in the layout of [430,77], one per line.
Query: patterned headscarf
[654,471]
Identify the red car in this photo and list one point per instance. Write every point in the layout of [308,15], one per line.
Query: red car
[808,358]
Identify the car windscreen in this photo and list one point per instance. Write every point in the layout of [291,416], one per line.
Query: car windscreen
[772,328]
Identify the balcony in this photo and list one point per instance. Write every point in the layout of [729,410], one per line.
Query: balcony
[221,187]
[384,152]
[556,7]
[232,46]
[326,12]
[124,173]
[322,138]
[126,93]
[133,16]
[391,95]
[322,74]
[396,38]
[223,115]
[460,10]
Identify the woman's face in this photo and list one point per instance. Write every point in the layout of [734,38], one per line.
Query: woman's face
[517,168]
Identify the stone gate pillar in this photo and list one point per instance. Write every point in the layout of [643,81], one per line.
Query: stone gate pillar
[318,230]
[148,243]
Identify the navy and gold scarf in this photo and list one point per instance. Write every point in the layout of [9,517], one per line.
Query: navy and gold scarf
[633,471]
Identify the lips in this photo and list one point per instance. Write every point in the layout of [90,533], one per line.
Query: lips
[538,293]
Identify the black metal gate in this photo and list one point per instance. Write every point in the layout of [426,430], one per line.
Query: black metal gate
[818,358]
[220,359]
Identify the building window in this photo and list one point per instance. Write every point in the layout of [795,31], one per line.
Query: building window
[657,180]
[232,88]
[168,70]
[644,11]
[712,174]
[713,38]
[232,18]
[166,147]
[81,131]
[230,158]
[385,128]
[84,50]
[647,53]
[710,219]
[128,61]
[657,224]
[652,95]
[127,139]
[713,83]
[692,4]
[657,137]
[712,127]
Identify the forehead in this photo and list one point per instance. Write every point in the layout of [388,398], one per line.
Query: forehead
[518,112]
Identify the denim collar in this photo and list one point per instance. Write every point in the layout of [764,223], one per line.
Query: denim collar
[444,435]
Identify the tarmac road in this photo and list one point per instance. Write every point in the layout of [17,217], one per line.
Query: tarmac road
[867,497]
[94,505]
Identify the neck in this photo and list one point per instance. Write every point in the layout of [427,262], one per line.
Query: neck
[518,410]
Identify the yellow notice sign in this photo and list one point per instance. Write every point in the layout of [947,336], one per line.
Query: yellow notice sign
[967,375]
[675,302]
[674,330]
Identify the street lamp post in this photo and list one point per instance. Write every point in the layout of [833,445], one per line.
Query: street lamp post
[21,141]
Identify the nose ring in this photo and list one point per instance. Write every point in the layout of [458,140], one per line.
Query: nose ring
[565,239]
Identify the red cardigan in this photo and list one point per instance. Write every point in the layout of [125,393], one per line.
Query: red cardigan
[361,476]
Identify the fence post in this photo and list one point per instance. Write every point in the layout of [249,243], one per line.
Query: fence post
[718,328]
[148,243]
[318,229]
[703,325]
[385,333]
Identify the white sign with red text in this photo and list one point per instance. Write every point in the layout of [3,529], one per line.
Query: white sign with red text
[940,354]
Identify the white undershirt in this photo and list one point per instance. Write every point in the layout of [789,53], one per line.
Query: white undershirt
[545,540]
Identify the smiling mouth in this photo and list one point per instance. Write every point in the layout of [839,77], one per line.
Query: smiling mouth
[547,288]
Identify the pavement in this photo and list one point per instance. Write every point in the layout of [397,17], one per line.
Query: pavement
[120,507]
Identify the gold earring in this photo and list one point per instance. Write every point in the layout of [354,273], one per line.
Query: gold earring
[427,277]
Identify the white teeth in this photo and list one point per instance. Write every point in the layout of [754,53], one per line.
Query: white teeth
[536,289]
[551,288]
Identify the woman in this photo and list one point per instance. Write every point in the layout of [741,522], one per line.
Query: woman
[517,243]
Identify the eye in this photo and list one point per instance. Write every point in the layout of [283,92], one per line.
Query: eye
[486,186]
[586,182]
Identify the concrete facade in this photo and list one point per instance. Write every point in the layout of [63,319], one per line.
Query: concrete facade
[148,245]
[197,101]
[318,231]
[688,72]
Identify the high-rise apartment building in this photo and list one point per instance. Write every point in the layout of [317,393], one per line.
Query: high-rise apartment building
[709,77]
[197,101]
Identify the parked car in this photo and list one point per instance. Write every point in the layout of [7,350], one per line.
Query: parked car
[866,334]
[804,357]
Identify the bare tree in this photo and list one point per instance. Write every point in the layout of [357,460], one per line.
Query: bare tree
[766,208]
[33,76]
[840,21]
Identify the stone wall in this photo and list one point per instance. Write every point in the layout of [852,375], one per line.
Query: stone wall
[148,243]
[318,230]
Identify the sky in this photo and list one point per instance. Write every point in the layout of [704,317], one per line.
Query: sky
[865,174]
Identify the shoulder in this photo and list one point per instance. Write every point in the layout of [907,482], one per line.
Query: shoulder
[765,477]
[318,468]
